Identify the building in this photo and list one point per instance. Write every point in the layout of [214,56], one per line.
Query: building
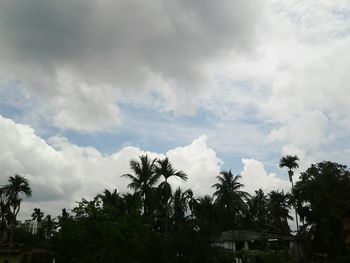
[236,240]
[31,226]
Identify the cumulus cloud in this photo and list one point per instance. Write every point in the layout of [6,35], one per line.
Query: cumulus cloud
[255,177]
[25,153]
[121,45]
[61,172]
[199,162]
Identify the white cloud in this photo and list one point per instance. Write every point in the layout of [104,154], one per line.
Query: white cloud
[295,81]
[273,75]
[199,162]
[255,177]
[61,172]
[85,108]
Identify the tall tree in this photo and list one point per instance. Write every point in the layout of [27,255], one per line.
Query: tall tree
[229,198]
[165,169]
[4,217]
[12,194]
[291,162]
[278,212]
[113,202]
[256,216]
[143,180]
[49,226]
[133,203]
[324,193]
[181,206]
[37,215]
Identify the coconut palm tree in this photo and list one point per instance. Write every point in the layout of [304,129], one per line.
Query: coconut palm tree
[133,203]
[278,207]
[17,187]
[37,215]
[179,206]
[143,180]
[228,197]
[114,201]
[12,194]
[165,169]
[205,210]
[4,216]
[49,226]
[290,162]
[256,214]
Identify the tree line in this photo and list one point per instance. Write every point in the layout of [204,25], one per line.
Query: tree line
[156,223]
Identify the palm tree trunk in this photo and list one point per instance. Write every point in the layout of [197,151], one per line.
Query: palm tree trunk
[295,209]
[10,244]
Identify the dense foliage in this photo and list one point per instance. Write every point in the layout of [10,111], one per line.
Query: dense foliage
[322,195]
[156,223]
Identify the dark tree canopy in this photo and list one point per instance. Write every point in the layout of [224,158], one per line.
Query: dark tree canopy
[323,194]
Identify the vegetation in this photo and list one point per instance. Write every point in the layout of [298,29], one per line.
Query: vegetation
[11,195]
[156,223]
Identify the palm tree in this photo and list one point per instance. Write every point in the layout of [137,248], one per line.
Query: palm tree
[290,162]
[278,208]
[37,215]
[205,210]
[49,226]
[229,197]
[179,206]
[133,203]
[256,214]
[12,194]
[143,180]
[64,217]
[165,169]
[114,201]
[4,217]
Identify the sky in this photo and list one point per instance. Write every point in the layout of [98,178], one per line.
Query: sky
[88,85]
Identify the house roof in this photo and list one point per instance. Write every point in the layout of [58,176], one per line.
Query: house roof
[247,235]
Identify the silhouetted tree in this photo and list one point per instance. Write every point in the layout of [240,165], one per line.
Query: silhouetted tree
[229,198]
[114,202]
[256,216]
[291,162]
[165,169]
[12,194]
[143,180]
[37,215]
[278,212]
[323,193]
[49,226]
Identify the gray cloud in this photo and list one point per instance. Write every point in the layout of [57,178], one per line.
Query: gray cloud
[120,44]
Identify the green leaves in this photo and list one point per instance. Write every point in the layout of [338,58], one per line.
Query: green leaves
[322,195]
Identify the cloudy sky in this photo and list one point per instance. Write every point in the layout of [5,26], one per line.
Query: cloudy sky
[87,85]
